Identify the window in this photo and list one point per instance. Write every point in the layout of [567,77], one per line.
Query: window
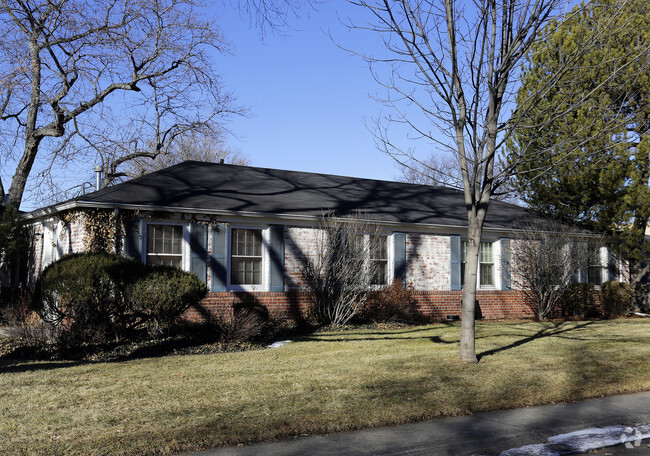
[486,264]
[165,245]
[379,259]
[246,257]
[595,269]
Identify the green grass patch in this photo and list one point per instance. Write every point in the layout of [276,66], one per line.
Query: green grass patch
[331,381]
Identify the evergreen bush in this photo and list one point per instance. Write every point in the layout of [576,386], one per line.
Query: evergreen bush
[578,300]
[163,294]
[617,298]
[82,296]
[94,298]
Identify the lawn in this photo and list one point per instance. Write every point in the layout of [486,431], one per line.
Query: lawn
[326,382]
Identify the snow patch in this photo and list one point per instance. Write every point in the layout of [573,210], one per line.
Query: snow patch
[280,343]
[583,441]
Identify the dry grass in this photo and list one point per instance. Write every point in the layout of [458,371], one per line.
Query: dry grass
[327,382]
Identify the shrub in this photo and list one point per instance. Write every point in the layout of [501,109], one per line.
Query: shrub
[15,254]
[82,296]
[249,321]
[394,304]
[578,300]
[163,294]
[23,326]
[617,298]
[339,275]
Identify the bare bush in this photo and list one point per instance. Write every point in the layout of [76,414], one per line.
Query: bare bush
[394,304]
[548,257]
[340,275]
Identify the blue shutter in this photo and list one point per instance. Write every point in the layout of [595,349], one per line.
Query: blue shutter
[277,258]
[505,264]
[133,239]
[455,263]
[399,257]
[218,259]
[199,250]
[612,268]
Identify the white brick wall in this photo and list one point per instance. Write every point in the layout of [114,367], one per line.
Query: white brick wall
[428,258]
[59,240]
[428,261]
[299,244]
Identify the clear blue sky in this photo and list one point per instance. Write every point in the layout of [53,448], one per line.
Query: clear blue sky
[308,98]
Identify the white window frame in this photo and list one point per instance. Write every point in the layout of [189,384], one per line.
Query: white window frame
[496,264]
[185,245]
[389,259]
[603,268]
[266,233]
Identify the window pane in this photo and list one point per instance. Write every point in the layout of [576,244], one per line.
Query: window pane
[246,260]
[486,252]
[378,248]
[595,275]
[595,270]
[487,277]
[246,271]
[380,272]
[165,244]
[168,260]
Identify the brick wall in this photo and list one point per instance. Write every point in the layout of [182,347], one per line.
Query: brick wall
[299,245]
[291,305]
[428,261]
[59,238]
[494,304]
[434,305]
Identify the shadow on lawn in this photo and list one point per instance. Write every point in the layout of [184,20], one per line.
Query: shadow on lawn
[555,330]
[26,358]
[400,334]
[18,366]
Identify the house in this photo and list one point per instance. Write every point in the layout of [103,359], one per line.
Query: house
[246,231]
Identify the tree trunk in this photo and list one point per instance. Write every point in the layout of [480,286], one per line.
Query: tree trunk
[467,331]
[32,140]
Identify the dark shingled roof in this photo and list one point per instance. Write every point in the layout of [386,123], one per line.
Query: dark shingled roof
[220,187]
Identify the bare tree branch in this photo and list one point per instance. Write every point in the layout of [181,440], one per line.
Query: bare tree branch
[452,76]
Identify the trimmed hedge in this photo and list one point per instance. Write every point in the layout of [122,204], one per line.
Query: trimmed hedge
[164,293]
[101,297]
[617,298]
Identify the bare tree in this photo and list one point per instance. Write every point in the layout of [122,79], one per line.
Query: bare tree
[102,81]
[192,146]
[432,170]
[453,71]
[63,60]
[547,258]
[340,274]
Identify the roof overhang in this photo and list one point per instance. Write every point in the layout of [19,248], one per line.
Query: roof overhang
[299,218]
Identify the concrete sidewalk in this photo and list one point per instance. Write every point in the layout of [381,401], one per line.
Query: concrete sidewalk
[484,433]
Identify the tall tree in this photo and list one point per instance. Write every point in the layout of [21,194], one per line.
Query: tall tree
[453,70]
[607,182]
[63,60]
[83,81]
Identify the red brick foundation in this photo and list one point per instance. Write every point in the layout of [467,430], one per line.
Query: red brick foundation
[497,304]
[434,305]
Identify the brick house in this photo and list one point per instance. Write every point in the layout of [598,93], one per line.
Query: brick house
[246,231]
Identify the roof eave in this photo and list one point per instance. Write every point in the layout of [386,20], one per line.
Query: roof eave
[80,204]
